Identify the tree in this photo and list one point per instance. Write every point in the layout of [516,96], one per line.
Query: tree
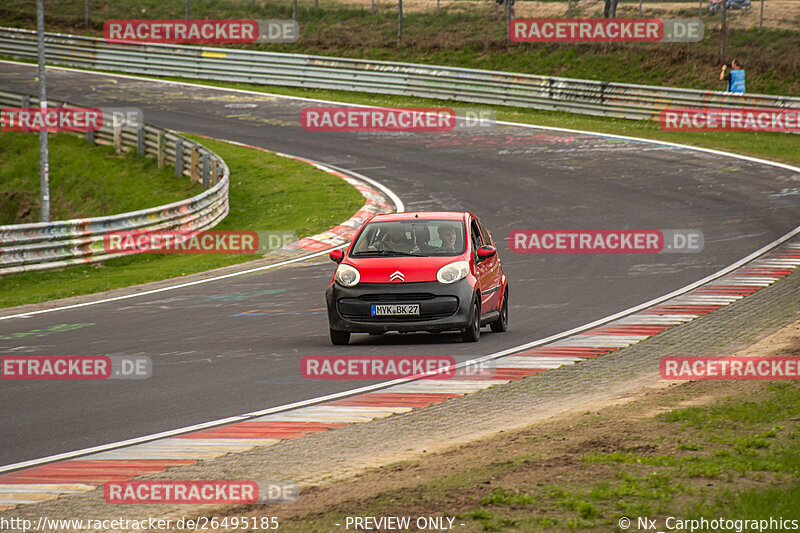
[610,10]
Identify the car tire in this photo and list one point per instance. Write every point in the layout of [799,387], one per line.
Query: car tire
[501,324]
[340,337]
[473,332]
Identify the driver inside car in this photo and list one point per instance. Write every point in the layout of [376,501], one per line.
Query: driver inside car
[396,240]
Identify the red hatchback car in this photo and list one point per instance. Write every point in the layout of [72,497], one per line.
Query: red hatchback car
[426,271]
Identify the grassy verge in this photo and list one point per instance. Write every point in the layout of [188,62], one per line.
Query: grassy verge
[85,181]
[736,457]
[267,193]
[472,35]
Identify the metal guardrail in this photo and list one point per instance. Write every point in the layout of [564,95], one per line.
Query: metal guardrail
[45,245]
[438,82]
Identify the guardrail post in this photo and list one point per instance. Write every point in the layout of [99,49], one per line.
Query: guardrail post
[140,141]
[26,101]
[213,176]
[179,157]
[193,168]
[724,30]
[205,171]
[399,22]
[160,149]
[118,138]
[90,136]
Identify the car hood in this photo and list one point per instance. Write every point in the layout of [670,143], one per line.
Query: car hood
[412,269]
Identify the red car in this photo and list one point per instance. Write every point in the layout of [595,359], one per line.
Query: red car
[426,271]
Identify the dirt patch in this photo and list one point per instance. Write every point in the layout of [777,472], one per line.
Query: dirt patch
[17,207]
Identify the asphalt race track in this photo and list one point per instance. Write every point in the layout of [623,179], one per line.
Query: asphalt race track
[234,346]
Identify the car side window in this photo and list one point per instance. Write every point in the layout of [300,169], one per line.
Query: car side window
[487,237]
[477,240]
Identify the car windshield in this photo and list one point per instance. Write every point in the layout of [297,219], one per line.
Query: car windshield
[411,238]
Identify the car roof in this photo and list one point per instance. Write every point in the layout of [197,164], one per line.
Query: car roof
[420,215]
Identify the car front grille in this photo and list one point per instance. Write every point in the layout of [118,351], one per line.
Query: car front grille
[397,297]
[431,307]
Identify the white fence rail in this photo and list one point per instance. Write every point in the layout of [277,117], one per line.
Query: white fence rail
[446,83]
[45,245]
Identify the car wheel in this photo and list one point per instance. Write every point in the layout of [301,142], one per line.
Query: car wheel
[340,337]
[473,332]
[501,324]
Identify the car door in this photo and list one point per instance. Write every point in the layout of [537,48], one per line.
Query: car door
[482,270]
[494,273]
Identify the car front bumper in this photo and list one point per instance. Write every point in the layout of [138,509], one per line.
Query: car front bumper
[442,307]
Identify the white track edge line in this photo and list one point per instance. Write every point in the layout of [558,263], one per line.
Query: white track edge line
[392,196]
[377,386]
[488,357]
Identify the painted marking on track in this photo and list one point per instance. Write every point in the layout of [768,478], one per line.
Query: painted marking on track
[279,312]
[238,296]
[59,328]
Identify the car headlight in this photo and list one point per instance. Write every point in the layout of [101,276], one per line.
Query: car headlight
[453,272]
[347,275]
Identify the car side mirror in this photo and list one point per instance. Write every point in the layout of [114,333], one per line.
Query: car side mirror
[485,252]
[336,256]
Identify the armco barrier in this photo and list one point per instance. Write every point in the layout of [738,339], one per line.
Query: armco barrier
[448,83]
[44,245]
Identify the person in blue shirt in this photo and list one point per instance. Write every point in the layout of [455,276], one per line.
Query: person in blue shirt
[734,77]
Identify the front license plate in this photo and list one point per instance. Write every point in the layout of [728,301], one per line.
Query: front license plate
[395,309]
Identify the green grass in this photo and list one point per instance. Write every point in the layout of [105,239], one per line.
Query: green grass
[755,504]
[85,180]
[786,402]
[469,37]
[267,193]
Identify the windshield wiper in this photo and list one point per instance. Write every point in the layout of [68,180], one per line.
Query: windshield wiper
[388,253]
